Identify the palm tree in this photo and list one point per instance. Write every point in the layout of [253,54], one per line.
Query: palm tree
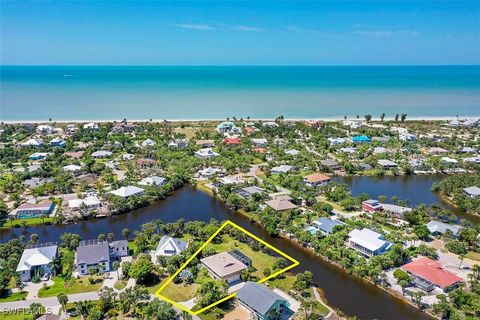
[63,300]
[382,117]
[126,233]
[116,266]
[461,256]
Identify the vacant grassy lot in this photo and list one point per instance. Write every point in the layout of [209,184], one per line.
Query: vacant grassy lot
[14,296]
[72,286]
[180,292]
[260,260]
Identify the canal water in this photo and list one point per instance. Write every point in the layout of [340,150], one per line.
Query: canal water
[416,188]
[349,294]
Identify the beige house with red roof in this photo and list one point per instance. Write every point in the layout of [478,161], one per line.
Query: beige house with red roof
[429,274]
[316,179]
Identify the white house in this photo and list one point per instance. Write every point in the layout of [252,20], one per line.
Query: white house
[154,181]
[89,203]
[45,129]
[169,246]
[72,168]
[368,242]
[36,261]
[282,169]
[101,154]
[91,126]
[128,191]
[178,144]
[261,142]
[292,152]
[387,164]
[33,143]
[148,143]
[206,153]
[472,192]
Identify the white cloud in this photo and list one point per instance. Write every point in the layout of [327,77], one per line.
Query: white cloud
[246,28]
[194,26]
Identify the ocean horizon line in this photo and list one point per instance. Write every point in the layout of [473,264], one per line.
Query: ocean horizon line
[241,65]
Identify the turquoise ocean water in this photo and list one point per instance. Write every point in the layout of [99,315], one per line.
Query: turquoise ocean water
[103,93]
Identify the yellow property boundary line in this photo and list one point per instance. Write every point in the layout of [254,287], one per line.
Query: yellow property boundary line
[226,223]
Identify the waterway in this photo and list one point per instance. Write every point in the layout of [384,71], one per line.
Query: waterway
[347,293]
[416,188]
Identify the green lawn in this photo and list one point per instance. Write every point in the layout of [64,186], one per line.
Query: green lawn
[473,255]
[76,286]
[15,316]
[28,222]
[120,284]
[260,260]
[179,292]
[14,296]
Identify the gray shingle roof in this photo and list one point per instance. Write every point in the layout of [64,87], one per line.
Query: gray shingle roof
[93,253]
[258,297]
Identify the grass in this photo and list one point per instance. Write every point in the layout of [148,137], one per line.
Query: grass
[285,284]
[16,296]
[73,286]
[180,292]
[20,314]
[120,284]
[29,222]
[260,260]
[473,255]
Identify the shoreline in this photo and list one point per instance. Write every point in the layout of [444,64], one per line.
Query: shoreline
[326,119]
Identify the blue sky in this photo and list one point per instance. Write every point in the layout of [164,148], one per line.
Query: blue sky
[240,33]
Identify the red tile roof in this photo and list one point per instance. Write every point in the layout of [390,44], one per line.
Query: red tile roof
[317,177]
[431,271]
[232,141]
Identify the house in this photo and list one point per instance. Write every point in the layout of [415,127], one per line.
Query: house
[436,150]
[472,160]
[437,228]
[387,164]
[336,141]
[232,141]
[361,139]
[270,125]
[145,162]
[281,204]
[407,137]
[223,266]
[154,181]
[73,168]
[330,163]
[468,150]
[28,210]
[292,152]
[282,169]
[57,142]
[262,301]
[123,127]
[128,191]
[348,150]
[35,182]
[226,126]
[208,172]
[91,126]
[397,211]
[36,143]
[379,150]
[128,156]
[429,274]
[148,143]
[88,203]
[101,154]
[368,242]
[45,129]
[38,156]
[206,153]
[178,144]
[209,143]
[324,225]
[371,205]
[316,179]
[169,246]
[472,192]
[74,154]
[92,254]
[248,192]
[36,261]
[118,249]
[262,142]
[448,161]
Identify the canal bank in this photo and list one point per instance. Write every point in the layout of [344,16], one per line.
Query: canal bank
[351,295]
